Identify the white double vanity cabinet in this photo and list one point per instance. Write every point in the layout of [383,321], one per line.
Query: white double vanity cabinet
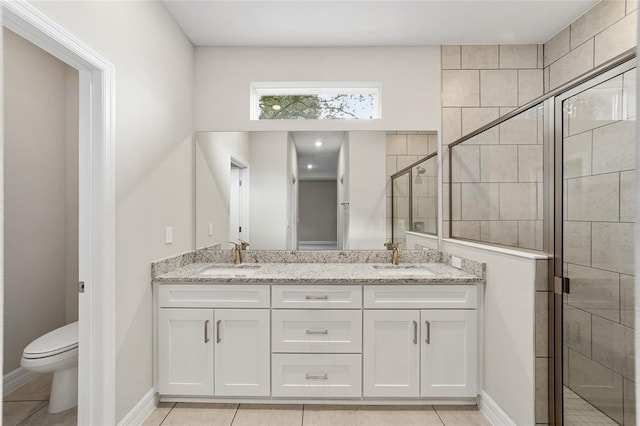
[253,341]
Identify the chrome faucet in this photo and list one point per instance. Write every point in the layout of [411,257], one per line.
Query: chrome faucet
[395,256]
[237,253]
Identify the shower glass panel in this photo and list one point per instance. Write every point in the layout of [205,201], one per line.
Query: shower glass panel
[424,196]
[400,197]
[598,177]
[496,183]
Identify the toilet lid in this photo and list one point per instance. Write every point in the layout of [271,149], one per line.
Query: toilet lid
[57,341]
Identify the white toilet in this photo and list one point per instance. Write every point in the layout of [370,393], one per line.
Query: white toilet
[57,352]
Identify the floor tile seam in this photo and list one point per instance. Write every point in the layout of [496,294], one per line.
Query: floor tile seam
[167,415]
[25,400]
[44,406]
[438,414]
[234,414]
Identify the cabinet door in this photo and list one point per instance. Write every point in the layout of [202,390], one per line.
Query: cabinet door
[243,353]
[449,353]
[185,352]
[391,353]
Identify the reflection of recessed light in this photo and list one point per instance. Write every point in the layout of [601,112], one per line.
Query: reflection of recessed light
[309,166]
[318,143]
[276,107]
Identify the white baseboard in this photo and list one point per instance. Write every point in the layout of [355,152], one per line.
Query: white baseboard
[142,409]
[18,377]
[493,412]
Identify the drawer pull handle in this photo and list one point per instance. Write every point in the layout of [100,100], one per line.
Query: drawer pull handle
[324,376]
[218,335]
[428,339]
[310,297]
[415,332]
[317,331]
[206,331]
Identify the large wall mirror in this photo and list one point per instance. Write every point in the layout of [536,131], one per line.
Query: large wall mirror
[299,190]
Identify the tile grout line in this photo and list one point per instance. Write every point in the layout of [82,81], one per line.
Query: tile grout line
[32,414]
[235,413]
[167,415]
[438,414]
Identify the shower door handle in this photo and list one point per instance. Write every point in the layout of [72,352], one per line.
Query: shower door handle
[561,285]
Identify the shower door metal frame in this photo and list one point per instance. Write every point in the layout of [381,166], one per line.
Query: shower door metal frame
[402,172]
[611,69]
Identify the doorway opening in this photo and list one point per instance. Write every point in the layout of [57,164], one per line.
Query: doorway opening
[316,192]
[96,206]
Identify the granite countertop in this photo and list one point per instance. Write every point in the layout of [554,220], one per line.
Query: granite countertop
[319,273]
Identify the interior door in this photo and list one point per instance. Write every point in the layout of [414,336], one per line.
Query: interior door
[235,204]
[595,269]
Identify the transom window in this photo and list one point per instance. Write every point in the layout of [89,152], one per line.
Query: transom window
[315,101]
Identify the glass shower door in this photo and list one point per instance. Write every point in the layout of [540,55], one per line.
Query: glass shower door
[598,214]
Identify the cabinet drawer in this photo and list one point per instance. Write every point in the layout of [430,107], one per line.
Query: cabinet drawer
[214,296]
[421,297]
[317,331]
[316,375]
[317,296]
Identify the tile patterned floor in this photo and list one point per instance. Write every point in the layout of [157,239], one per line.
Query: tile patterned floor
[313,415]
[578,412]
[28,406]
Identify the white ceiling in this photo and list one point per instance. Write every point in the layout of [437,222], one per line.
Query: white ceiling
[372,23]
[324,158]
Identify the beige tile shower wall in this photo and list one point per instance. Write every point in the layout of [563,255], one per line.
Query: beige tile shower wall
[497,191]
[403,149]
[605,31]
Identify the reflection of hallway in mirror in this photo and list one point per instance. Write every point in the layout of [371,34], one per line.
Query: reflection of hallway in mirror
[317,220]
[316,246]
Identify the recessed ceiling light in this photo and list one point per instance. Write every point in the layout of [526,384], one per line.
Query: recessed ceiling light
[276,107]
[309,166]
[318,144]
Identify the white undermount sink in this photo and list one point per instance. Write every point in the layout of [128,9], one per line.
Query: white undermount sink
[402,271]
[239,271]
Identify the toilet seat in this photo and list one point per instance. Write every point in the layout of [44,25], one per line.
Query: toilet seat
[59,341]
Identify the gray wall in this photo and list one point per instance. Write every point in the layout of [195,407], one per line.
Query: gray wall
[41,214]
[317,210]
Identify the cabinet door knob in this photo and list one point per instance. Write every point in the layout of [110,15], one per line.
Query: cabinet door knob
[206,331]
[218,336]
[415,332]
[428,339]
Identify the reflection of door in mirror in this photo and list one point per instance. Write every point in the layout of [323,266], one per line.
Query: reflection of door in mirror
[236,204]
[294,213]
[343,211]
